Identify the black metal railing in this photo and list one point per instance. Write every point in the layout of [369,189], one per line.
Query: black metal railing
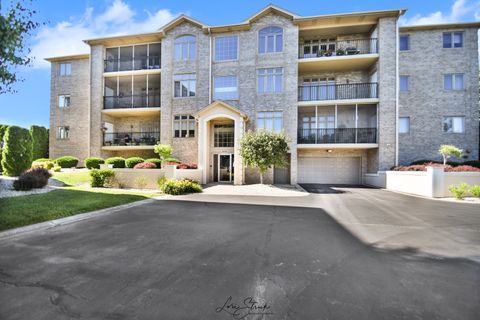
[142,63]
[319,49]
[131,138]
[133,101]
[338,91]
[338,135]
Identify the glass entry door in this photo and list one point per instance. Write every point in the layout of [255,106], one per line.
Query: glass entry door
[225,167]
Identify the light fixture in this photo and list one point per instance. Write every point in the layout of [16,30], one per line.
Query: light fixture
[329,150]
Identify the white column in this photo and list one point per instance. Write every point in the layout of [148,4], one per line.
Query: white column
[239,174]
[202,149]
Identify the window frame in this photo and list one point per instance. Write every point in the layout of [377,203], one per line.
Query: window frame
[265,77]
[64,96]
[265,40]
[271,118]
[224,144]
[65,135]
[189,48]
[452,39]
[64,73]
[400,42]
[444,118]
[408,125]
[407,77]
[237,53]
[215,87]
[189,95]
[454,81]
[188,121]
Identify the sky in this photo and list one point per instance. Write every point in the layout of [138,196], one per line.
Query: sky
[67,23]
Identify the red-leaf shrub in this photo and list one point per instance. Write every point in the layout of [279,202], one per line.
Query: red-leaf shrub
[187,166]
[145,165]
[447,168]
[32,178]
[464,169]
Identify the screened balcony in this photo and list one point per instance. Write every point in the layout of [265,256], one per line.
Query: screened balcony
[128,58]
[325,48]
[332,91]
[342,124]
[131,92]
[130,139]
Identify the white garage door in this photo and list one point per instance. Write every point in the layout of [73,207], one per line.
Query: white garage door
[329,170]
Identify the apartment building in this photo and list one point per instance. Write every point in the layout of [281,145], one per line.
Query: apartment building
[353,92]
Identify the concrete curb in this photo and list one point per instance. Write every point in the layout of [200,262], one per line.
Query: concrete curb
[71,219]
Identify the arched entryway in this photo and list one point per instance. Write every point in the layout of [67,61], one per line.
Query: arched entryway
[220,129]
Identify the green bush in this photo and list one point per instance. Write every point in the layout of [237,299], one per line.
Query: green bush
[131,162]
[67,161]
[141,182]
[475,191]
[39,141]
[157,162]
[32,178]
[3,129]
[57,169]
[100,177]
[178,187]
[118,162]
[17,151]
[43,163]
[460,191]
[93,162]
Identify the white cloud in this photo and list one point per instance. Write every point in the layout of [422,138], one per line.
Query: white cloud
[459,9]
[65,37]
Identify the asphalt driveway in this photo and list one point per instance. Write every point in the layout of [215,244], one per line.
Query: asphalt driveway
[184,259]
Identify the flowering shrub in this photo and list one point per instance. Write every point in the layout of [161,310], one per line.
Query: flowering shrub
[187,166]
[145,165]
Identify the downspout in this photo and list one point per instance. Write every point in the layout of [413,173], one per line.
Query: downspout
[397,96]
[210,68]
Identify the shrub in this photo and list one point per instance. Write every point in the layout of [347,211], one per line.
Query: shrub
[17,151]
[100,177]
[67,161]
[32,178]
[165,153]
[39,141]
[141,182]
[145,165]
[178,187]
[57,169]
[157,162]
[118,162]
[460,191]
[93,162]
[475,191]
[43,163]
[131,162]
[463,169]
[3,129]
[473,163]
[187,166]
[423,161]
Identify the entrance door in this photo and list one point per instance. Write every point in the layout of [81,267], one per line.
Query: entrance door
[224,168]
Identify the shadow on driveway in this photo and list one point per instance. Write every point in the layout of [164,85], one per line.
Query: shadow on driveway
[330,188]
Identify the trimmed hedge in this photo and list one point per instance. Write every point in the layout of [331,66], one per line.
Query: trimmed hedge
[132,162]
[118,162]
[447,168]
[17,151]
[93,162]
[178,187]
[32,178]
[145,165]
[187,166]
[43,163]
[67,161]
[100,177]
[39,141]
[157,162]
[473,163]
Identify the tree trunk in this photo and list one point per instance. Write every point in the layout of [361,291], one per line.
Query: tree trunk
[261,177]
[444,160]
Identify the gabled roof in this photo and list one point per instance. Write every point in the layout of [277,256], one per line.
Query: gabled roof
[217,104]
[271,9]
[178,21]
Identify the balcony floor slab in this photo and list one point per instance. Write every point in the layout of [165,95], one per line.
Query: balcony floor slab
[132,112]
[338,146]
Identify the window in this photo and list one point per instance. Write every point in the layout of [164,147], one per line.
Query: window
[185,48]
[404,125]
[226,88]
[404,83]
[185,85]
[454,124]
[404,42]
[270,39]
[453,81]
[184,126]
[269,80]
[223,136]
[226,48]
[453,39]
[65,69]
[270,121]
[63,133]
[64,101]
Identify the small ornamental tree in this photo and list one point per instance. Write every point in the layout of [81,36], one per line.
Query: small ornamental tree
[17,151]
[165,153]
[448,151]
[39,142]
[264,150]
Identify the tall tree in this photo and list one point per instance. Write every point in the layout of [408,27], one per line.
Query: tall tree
[16,24]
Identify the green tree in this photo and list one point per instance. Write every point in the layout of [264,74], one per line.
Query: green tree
[3,128]
[264,150]
[447,151]
[165,153]
[39,142]
[17,151]
[16,25]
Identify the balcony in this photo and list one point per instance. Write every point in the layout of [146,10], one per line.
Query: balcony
[132,101]
[329,92]
[143,63]
[332,55]
[130,140]
[338,136]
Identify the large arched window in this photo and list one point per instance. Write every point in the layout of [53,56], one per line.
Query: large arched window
[270,39]
[185,48]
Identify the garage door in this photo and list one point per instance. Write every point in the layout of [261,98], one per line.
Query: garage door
[329,170]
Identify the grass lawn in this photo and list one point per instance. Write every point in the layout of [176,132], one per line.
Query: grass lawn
[72,178]
[25,210]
